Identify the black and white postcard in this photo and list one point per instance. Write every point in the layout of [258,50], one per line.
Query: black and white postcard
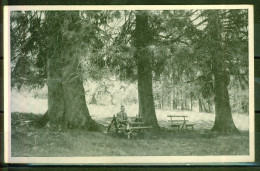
[129,84]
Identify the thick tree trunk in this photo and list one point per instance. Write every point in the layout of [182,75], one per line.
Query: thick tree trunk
[223,119]
[56,108]
[140,105]
[146,97]
[146,102]
[76,110]
[66,96]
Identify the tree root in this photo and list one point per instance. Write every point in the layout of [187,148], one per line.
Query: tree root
[42,121]
[223,130]
[93,126]
[90,126]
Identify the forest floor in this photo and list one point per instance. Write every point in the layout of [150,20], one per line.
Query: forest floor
[28,141]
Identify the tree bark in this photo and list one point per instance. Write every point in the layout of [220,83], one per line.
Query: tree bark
[142,38]
[223,119]
[76,110]
[56,108]
[66,96]
[140,105]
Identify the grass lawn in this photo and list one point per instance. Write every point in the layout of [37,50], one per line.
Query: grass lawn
[28,141]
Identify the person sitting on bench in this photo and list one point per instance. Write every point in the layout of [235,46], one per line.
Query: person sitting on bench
[121,117]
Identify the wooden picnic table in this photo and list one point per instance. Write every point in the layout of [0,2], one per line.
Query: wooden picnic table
[183,121]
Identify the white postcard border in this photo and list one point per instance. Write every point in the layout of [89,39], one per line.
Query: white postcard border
[129,159]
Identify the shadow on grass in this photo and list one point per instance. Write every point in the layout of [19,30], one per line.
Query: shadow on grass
[29,141]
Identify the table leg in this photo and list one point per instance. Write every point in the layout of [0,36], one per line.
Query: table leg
[184,123]
[110,125]
[129,134]
[116,125]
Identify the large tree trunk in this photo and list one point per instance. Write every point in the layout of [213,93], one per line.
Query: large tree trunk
[56,107]
[140,105]
[223,119]
[66,96]
[76,111]
[146,102]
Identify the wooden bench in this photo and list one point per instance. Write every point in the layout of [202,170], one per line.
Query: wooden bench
[131,127]
[140,127]
[132,130]
[176,120]
[136,128]
[137,123]
[190,125]
[180,123]
[176,125]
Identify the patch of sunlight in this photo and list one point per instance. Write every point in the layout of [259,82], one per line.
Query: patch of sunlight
[22,103]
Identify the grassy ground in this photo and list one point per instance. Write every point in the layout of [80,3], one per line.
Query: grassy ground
[28,141]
